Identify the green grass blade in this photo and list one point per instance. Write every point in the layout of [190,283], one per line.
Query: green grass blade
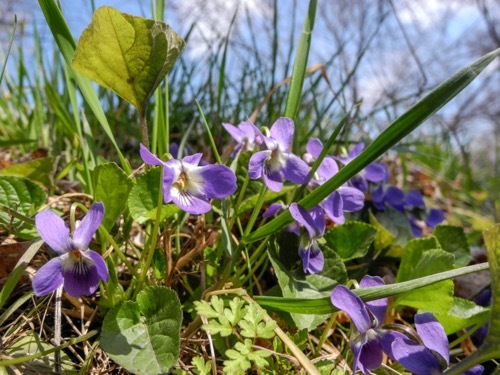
[9,48]
[324,305]
[300,63]
[399,129]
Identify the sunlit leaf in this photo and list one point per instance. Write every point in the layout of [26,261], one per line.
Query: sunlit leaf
[351,240]
[127,54]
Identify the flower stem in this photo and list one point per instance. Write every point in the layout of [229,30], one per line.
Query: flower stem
[57,331]
[150,247]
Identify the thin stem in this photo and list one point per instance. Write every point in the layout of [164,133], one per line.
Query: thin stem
[144,128]
[256,210]
[150,248]
[240,199]
[324,335]
[57,330]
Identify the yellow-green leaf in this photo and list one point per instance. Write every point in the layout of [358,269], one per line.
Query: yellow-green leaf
[127,54]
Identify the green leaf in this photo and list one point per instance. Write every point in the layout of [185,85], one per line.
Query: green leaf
[38,170]
[351,240]
[463,314]
[412,254]
[399,129]
[20,194]
[253,324]
[397,224]
[127,54]
[383,239]
[159,264]
[236,312]
[242,355]
[453,240]
[143,198]
[200,366]
[111,187]
[144,334]
[221,320]
[430,262]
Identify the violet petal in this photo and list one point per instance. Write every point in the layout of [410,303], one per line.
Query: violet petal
[302,216]
[272,179]
[88,226]
[193,159]
[432,334]
[102,269]
[168,180]
[219,181]
[295,169]
[371,356]
[313,260]
[272,210]
[81,277]
[327,169]
[415,199]
[187,201]
[395,197]
[476,370]
[256,164]
[345,299]
[353,199]
[356,150]
[53,231]
[434,218]
[282,131]
[375,172]
[333,207]
[414,357]
[234,132]
[48,278]
[148,157]
[314,147]
[378,307]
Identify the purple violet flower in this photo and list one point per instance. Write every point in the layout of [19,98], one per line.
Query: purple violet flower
[313,221]
[245,135]
[189,186]
[422,359]
[76,267]
[344,199]
[313,150]
[375,173]
[277,162]
[369,341]
[412,205]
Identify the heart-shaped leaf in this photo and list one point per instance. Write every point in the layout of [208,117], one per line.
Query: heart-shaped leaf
[144,336]
[127,54]
[351,240]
